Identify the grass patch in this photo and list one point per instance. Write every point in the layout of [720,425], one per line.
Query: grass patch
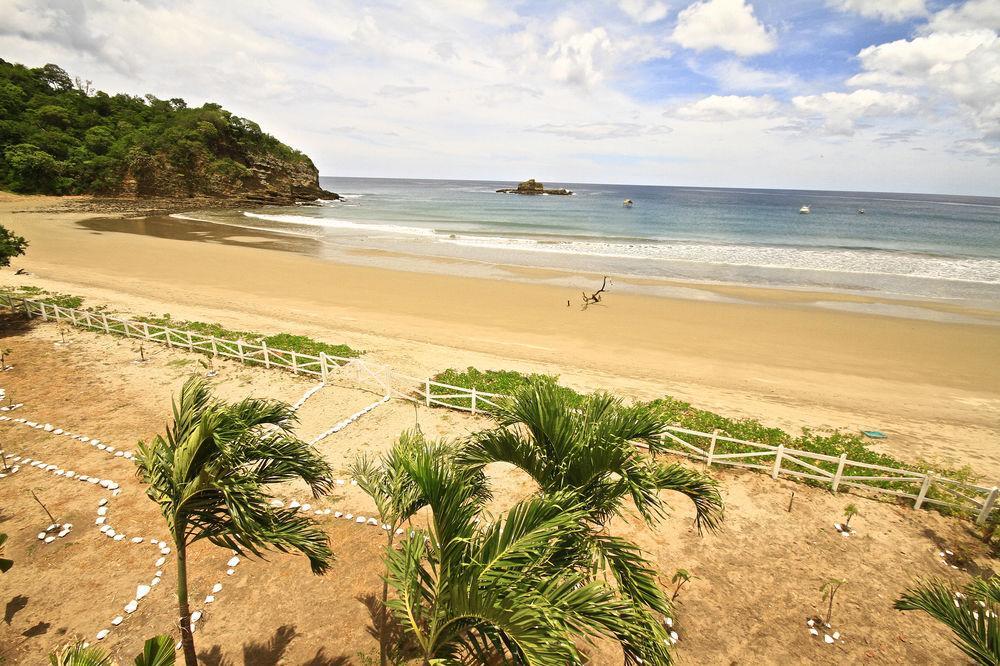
[280,341]
[502,382]
[43,296]
[684,415]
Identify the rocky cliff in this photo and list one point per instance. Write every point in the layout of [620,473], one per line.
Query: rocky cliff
[254,178]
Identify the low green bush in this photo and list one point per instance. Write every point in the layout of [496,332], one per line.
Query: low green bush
[683,415]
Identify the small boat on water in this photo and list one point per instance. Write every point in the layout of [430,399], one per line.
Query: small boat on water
[804,210]
[861,211]
[628,203]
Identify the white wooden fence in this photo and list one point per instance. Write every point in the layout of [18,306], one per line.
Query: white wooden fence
[924,489]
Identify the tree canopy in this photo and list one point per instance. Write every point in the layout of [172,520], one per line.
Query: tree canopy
[61,137]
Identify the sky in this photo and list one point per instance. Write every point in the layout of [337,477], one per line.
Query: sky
[878,95]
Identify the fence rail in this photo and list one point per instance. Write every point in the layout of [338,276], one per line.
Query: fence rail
[924,489]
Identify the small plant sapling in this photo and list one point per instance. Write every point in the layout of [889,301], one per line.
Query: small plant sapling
[849,512]
[829,590]
[681,578]
[44,508]
[209,366]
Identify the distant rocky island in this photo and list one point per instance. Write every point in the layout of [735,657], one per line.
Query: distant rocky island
[532,186]
[61,137]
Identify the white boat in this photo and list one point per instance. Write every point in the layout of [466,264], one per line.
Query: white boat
[628,203]
[804,210]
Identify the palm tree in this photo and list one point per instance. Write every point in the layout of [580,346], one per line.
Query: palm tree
[397,498]
[472,591]
[970,614]
[157,651]
[209,472]
[590,452]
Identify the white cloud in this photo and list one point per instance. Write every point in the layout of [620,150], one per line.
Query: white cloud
[839,113]
[579,57]
[598,131]
[972,15]
[734,75]
[729,25]
[644,11]
[885,10]
[728,107]
[960,68]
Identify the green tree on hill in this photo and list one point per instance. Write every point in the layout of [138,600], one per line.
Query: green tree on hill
[57,138]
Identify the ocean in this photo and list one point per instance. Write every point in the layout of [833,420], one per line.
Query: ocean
[908,246]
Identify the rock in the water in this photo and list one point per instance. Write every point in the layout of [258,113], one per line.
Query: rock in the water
[532,187]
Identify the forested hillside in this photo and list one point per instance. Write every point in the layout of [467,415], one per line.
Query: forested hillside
[59,137]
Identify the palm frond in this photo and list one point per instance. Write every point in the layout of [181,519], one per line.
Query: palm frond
[78,655]
[975,626]
[701,489]
[157,651]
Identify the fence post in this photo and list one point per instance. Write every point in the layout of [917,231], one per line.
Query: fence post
[427,391]
[190,342]
[239,348]
[777,461]
[840,471]
[27,310]
[323,370]
[166,336]
[711,447]
[987,507]
[145,331]
[44,316]
[295,363]
[923,491]
[72,316]
[215,348]
[267,357]
[104,320]
[473,400]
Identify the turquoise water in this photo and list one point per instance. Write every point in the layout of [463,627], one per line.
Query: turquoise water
[904,245]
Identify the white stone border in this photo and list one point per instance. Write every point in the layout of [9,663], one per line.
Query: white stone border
[340,425]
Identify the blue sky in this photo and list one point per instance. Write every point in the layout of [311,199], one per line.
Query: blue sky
[897,95]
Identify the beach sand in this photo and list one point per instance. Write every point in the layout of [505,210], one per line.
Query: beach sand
[777,356]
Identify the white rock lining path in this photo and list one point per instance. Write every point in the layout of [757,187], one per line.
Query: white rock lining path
[340,425]
[101,521]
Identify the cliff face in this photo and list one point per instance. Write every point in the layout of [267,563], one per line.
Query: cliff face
[256,178]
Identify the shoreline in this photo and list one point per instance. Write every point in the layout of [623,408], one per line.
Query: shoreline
[180,227]
[931,385]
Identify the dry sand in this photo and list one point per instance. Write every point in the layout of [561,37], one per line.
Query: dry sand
[932,386]
[757,580]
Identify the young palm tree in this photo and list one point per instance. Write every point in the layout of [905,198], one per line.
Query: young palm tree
[157,651]
[971,616]
[397,497]
[499,591]
[209,472]
[590,452]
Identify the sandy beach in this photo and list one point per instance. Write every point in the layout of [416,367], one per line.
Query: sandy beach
[778,356]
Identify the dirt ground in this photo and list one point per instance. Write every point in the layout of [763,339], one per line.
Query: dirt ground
[756,581]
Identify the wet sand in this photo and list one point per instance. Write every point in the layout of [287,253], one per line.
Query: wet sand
[933,386]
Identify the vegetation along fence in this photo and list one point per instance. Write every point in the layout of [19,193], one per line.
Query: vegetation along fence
[922,488]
